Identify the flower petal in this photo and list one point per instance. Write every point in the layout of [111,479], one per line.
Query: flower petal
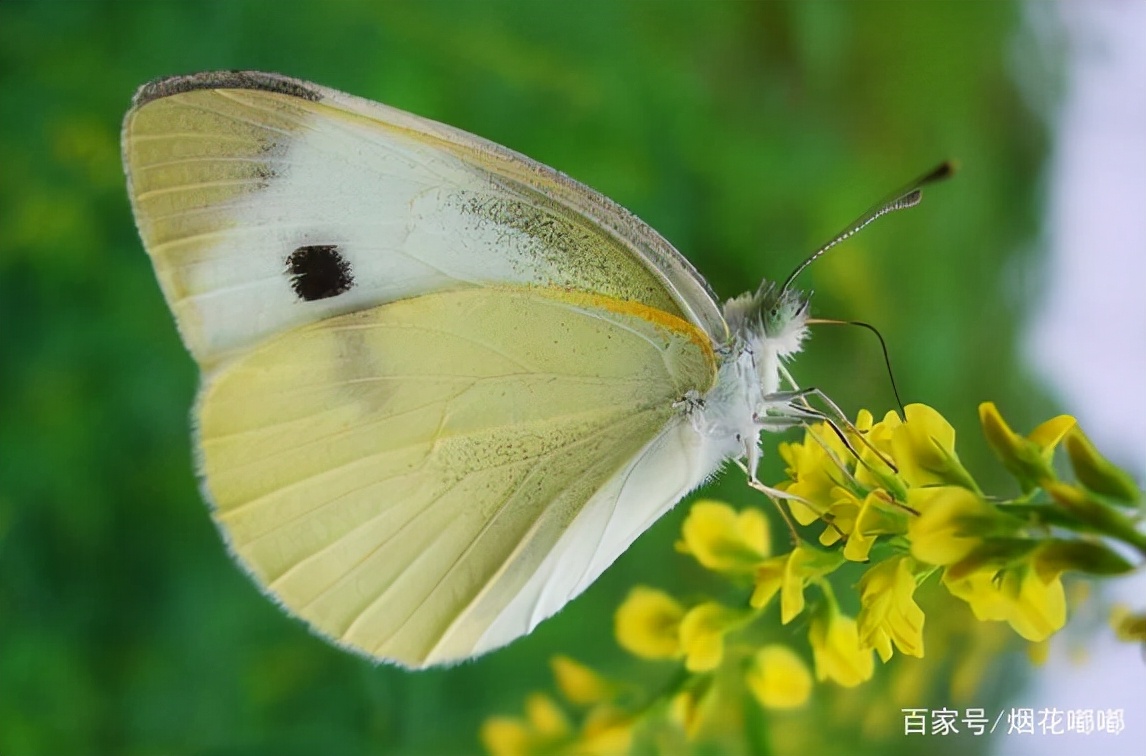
[702,635]
[579,684]
[1048,435]
[505,736]
[924,449]
[888,612]
[1034,607]
[724,541]
[1096,472]
[647,624]
[545,716]
[952,523]
[778,678]
[837,652]
[1023,458]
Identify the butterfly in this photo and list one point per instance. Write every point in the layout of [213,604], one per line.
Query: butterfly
[443,386]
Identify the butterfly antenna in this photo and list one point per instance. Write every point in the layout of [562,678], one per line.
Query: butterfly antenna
[882,345]
[905,198]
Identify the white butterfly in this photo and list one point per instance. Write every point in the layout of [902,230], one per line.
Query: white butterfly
[444,386]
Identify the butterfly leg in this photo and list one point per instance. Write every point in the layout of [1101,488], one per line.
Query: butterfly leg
[776,495]
[792,407]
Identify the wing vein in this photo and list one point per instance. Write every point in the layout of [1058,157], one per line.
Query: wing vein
[351,463]
[511,496]
[537,459]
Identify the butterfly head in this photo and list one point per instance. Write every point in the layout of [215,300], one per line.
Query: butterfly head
[783,314]
[774,318]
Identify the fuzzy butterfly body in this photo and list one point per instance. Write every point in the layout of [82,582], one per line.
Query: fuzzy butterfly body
[443,386]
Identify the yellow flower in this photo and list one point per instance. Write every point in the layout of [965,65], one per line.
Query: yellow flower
[788,574]
[545,716]
[888,612]
[803,564]
[647,624]
[840,516]
[875,518]
[836,650]
[688,708]
[505,736]
[544,726]
[1096,472]
[864,421]
[1032,601]
[952,522]
[724,541]
[769,579]
[1101,518]
[814,470]
[924,449]
[702,634]
[1128,626]
[778,678]
[1029,458]
[872,470]
[579,684]
[1048,434]
[607,731]
[682,709]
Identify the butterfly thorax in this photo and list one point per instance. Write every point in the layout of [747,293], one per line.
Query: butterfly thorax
[766,328]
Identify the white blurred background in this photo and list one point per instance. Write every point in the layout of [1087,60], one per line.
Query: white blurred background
[1087,332]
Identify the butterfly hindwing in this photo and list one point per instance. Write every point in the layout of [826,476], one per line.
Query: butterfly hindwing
[399,475]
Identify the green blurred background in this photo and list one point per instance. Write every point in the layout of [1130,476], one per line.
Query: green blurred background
[747,133]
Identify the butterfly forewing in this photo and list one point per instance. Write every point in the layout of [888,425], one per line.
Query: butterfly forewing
[232,187]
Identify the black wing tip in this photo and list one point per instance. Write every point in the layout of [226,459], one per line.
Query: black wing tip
[267,82]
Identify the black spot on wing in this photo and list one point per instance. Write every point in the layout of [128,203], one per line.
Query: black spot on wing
[319,271]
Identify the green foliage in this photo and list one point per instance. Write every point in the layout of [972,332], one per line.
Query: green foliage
[747,133]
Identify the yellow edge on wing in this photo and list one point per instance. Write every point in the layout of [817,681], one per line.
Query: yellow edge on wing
[640,310]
